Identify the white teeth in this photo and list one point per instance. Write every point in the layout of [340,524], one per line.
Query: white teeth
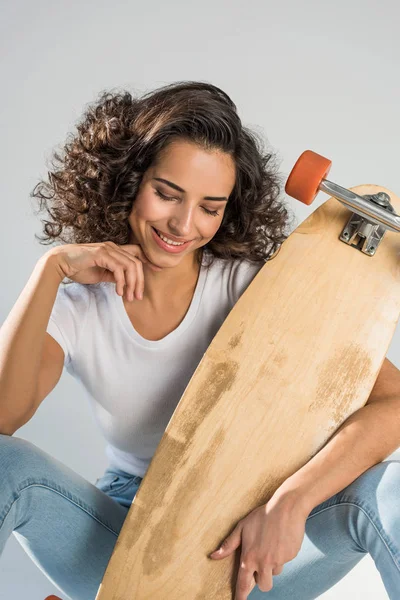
[165,239]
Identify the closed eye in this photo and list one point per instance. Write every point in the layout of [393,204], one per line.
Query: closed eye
[214,213]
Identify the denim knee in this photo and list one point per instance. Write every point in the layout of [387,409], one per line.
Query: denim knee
[19,458]
[380,484]
[375,493]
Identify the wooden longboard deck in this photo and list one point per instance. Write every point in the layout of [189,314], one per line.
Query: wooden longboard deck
[298,354]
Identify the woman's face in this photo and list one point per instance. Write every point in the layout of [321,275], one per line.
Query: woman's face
[185,214]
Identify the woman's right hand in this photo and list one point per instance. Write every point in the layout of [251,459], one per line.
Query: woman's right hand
[104,261]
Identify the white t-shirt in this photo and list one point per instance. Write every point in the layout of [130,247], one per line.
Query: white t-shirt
[134,384]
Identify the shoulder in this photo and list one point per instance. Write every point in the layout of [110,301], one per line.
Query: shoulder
[73,302]
[241,275]
[235,275]
[68,316]
[75,295]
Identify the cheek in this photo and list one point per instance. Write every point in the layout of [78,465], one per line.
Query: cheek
[147,208]
[210,229]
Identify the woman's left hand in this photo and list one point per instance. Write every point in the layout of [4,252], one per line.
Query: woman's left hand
[271,535]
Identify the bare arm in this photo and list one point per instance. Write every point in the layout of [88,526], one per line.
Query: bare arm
[22,338]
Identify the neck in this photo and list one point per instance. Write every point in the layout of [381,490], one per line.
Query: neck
[172,283]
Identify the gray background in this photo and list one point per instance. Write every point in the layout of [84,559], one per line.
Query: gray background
[307,74]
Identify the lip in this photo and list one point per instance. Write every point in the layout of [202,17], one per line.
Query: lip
[172,237]
[166,247]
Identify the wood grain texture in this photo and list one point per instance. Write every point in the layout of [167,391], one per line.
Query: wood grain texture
[298,354]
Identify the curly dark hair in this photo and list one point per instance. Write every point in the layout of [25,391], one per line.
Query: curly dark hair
[93,182]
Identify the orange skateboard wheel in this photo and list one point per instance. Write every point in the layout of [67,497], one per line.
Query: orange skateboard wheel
[306,176]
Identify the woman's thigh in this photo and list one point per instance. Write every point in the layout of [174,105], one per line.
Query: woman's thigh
[67,525]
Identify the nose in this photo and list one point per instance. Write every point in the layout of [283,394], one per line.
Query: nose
[181,222]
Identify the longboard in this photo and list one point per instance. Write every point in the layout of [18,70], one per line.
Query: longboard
[298,354]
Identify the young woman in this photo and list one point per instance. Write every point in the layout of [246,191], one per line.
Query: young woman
[167,207]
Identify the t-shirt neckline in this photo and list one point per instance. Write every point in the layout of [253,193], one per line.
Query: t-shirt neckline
[170,337]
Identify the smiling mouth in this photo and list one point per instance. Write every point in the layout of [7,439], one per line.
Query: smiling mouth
[170,238]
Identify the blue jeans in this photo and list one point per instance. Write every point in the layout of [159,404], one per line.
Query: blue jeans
[69,526]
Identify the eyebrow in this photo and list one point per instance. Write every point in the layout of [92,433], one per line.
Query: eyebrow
[179,189]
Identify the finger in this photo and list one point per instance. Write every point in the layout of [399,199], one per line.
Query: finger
[263,578]
[230,543]
[139,281]
[119,275]
[277,570]
[245,580]
[114,267]
[135,249]
[133,271]
[134,276]
[130,277]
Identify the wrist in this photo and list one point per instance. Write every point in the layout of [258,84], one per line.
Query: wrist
[290,497]
[49,263]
